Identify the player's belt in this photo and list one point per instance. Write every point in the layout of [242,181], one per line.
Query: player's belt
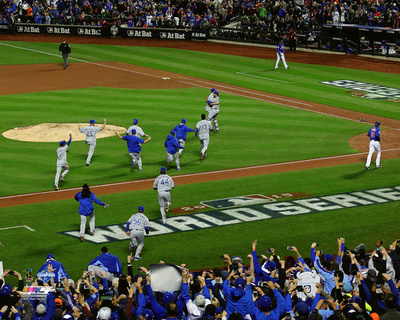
[137,229]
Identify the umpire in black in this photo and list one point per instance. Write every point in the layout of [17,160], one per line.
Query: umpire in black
[11,24]
[65,50]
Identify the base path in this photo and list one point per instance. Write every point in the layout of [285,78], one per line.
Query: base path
[117,75]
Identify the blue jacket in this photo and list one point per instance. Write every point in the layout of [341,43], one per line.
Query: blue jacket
[50,307]
[235,299]
[86,204]
[57,274]
[133,143]
[257,314]
[108,262]
[171,143]
[159,311]
[181,131]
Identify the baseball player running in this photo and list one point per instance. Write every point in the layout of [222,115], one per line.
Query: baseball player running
[214,110]
[210,96]
[181,131]
[90,133]
[203,128]
[164,184]
[374,135]
[171,143]
[134,147]
[62,161]
[139,132]
[280,54]
[134,229]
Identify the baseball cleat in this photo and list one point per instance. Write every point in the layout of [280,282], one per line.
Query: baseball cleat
[137,258]
[131,246]
[201,156]
[164,221]
[379,166]
[56,188]
[178,169]
[81,239]
[367,168]
[87,164]
[62,179]
[91,233]
[287,68]
[167,207]
[140,170]
[276,68]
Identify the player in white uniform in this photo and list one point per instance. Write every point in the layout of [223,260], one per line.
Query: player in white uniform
[62,161]
[139,131]
[210,96]
[214,110]
[203,128]
[134,229]
[164,184]
[90,133]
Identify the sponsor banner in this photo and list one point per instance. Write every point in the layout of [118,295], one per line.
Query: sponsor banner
[367,90]
[265,211]
[172,34]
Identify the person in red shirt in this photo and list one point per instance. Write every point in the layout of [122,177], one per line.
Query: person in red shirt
[292,37]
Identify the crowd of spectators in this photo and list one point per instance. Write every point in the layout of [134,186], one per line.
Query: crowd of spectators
[304,16]
[354,285]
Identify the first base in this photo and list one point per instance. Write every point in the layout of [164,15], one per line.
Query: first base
[166,78]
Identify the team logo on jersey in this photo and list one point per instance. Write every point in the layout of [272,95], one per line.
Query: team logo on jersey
[367,90]
[257,212]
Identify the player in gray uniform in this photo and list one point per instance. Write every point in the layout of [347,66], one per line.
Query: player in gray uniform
[139,131]
[209,98]
[134,229]
[203,128]
[164,184]
[62,161]
[90,133]
[214,110]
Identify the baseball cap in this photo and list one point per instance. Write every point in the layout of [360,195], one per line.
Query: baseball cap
[264,303]
[213,89]
[104,313]
[183,121]
[133,131]
[199,300]
[347,287]
[377,124]
[50,256]
[167,297]
[141,208]
[63,40]
[58,302]
[6,290]
[148,314]
[239,283]
[216,92]
[163,169]
[328,257]
[172,132]
[302,308]
[92,121]
[271,265]
[135,121]
[371,275]
[62,142]
[40,308]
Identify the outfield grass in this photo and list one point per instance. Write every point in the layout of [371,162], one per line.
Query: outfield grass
[252,133]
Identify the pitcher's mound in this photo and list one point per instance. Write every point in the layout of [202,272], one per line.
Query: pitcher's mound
[55,132]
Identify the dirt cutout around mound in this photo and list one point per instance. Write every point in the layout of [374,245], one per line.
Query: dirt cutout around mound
[55,132]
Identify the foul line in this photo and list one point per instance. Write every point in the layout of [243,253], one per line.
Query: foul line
[250,75]
[195,174]
[84,61]
[23,226]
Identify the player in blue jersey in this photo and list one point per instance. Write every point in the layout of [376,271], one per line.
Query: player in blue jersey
[280,54]
[134,147]
[181,131]
[374,135]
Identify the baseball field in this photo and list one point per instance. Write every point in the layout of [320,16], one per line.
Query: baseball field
[286,167]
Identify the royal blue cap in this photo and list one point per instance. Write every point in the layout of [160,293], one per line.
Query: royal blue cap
[135,121]
[62,142]
[92,121]
[265,303]
[377,124]
[216,92]
[148,314]
[141,208]
[133,131]
[183,121]
[172,132]
[163,169]
[50,256]
[213,89]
